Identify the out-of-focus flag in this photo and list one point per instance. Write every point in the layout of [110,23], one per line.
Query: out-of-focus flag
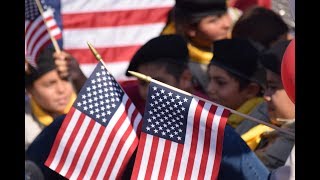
[98,135]
[118,28]
[181,137]
[36,33]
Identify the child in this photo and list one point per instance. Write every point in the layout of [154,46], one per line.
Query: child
[236,81]
[275,147]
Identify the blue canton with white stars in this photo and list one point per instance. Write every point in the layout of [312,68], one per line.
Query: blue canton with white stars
[166,113]
[31,9]
[100,96]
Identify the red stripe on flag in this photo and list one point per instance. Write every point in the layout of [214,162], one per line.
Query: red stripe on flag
[107,145]
[109,54]
[194,140]
[128,156]
[164,162]
[152,157]
[177,162]
[138,159]
[70,142]
[81,147]
[115,18]
[91,152]
[220,136]
[117,152]
[207,137]
[62,130]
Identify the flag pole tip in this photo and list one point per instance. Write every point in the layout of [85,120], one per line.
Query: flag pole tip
[140,76]
[94,51]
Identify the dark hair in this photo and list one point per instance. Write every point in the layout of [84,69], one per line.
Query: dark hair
[260,24]
[173,67]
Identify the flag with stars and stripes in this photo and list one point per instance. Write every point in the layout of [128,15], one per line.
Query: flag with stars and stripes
[98,135]
[181,137]
[36,33]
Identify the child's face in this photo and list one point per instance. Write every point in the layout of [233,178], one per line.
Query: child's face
[224,89]
[51,92]
[212,28]
[279,104]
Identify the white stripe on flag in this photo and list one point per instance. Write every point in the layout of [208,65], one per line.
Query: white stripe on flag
[82,6]
[200,144]
[213,142]
[172,156]
[85,151]
[122,154]
[120,132]
[188,139]
[145,157]
[75,145]
[158,158]
[65,139]
[103,37]
[104,138]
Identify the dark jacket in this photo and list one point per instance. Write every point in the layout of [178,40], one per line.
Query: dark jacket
[238,161]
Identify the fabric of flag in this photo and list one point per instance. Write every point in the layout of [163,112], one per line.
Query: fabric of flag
[116,28]
[36,25]
[181,137]
[98,135]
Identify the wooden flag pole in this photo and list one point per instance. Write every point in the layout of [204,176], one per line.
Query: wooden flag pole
[54,41]
[149,79]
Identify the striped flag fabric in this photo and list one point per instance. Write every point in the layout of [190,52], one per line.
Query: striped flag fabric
[98,135]
[117,28]
[36,25]
[181,137]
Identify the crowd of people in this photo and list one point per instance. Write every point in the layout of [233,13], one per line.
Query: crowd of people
[206,50]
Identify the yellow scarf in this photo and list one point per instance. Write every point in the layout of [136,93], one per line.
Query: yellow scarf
[252,136]
[43,117]
[196,54]
[234,120]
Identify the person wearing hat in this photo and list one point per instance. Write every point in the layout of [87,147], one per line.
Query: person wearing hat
[236,80]
[275,147]
[164,58]
[200,22]
[48,94]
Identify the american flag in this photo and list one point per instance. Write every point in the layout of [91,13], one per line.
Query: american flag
[98,135]
[36,33]
[181,137]
[118,28]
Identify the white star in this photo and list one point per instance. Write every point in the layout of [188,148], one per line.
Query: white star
[98,74]
[175,132]
[97,116]
[79,103]
[94,87]
[165,97]
[104,120]
[108,106]
[108,112]
[152,96]
[163,133]
[160,128]
[180,103]
[177,96]
[94,92]
[171,136]
[162,91]
[150,112]
[155,131]
[103,114]
[98,79]
[149,120]
[172,100]
[185,100]
[179,138]
[154,88]
[102,108]
[83,96]
[180,130]
[157,122]
[85,108]
[91,112]
[93,81]
[157,94]
[152,125]
[148,128]
[84,102]
[113,105]
[89,94]
[90,106]
[170,93]
[183,109]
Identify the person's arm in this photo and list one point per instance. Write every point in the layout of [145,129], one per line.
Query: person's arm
[68,67]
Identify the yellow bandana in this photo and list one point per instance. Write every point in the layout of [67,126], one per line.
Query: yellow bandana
[43,117]
[234,120]
[196,54]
